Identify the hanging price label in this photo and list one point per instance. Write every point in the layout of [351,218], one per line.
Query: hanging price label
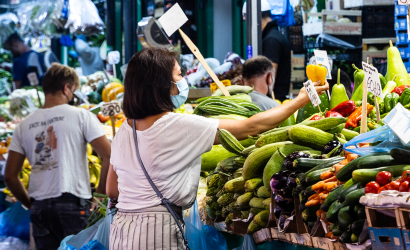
[373,80]
[32,78]
[113,57]
[403,2]
[111,108]
[311,91]
[322,58]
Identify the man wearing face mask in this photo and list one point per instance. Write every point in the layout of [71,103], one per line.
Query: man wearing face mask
[54,140]
[258,72]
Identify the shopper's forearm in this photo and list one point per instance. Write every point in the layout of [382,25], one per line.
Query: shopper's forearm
[17,189]
[101,189]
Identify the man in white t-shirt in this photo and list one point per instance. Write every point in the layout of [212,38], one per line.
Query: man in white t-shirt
[54,140]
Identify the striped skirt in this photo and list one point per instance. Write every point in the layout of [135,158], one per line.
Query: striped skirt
[145,229]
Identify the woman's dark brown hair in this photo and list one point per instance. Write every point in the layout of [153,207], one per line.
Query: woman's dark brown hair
[147,84]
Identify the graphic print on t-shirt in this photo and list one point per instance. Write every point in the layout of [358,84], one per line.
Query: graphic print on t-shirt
[45,153]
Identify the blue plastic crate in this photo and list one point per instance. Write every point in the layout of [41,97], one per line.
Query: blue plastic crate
[386,238]
[401,38]
[404,52]
[407,65]
[400,24]
[400,10]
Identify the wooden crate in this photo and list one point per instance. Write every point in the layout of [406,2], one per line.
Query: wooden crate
[383,217]
[375,54]
[334,28]
[262,236]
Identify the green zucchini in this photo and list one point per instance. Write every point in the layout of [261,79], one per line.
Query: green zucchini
[349,134]
[256,161]
[368,175]
[346,237]
[377,161]
[333,226]
[349,183]
[309,192]
[275,163]
[325,124]
[336,130]
[345,173]
[331,198]
[357,227]
[331,215]
[310,137]
[275,136]
[311,163]
[361,213]
[401,155]
[337,231]
[314,176]
[342,195]
[309,214]
[352,199]
[344,217]
[318,167]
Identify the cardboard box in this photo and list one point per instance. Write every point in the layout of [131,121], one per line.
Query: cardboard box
[340,246]
[322,243]
[301,239]
[274,233]
[284,237]
[383,217]
[386,238]
[262,236]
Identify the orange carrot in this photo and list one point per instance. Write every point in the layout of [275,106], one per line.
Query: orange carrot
[351,157]
[337,167]
[323,196]
[319,212]
[312,203]
[331,179]
[314,196]
[331,185]
[326,175]
[318,185]
[344,162]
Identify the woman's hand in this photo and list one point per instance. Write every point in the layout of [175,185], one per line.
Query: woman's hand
[304,97]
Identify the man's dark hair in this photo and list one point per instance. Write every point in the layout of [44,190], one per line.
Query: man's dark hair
[256,67]
[266,14]
[57,76]
[147,83]
[13,38]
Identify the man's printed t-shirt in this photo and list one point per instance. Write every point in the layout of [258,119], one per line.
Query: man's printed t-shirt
[54,140]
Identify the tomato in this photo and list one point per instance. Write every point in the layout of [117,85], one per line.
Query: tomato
[394,185]
[384,178]
[316,117]
[371,187]
[405,176]
[382,189]
[103,119]
[404,186]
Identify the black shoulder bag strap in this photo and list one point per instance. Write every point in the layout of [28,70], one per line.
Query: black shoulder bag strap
[162,198]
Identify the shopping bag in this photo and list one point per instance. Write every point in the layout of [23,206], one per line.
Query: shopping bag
[202,237]
[103,233]
[15,222]
[248,243]
[82,238]
[13,243]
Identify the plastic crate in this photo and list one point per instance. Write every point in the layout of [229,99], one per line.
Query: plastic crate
[310,43]
[378,21]
[401,38]
[407,65]
[296,39]
[404,52]
[400,24]
[400,10]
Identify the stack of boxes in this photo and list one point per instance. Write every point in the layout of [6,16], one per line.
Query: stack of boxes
[400,26]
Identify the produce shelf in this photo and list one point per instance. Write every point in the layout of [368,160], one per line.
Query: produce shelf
[335,28]
[383,217]
[198,93]
[376,41]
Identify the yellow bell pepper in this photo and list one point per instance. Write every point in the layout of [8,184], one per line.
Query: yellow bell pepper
[316,73]
[111,90]
[214,86]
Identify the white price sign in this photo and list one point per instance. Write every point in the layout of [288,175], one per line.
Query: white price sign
[403,2]
[32,78]
[311,91]
[399,121]
[111,108]
[113,57]
[173,19]
[373,80]
[321,58]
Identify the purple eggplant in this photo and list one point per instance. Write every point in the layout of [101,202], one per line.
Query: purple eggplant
[288,162]
[278,181]
[280,200]
[277,210]
[291,182]
[282,218]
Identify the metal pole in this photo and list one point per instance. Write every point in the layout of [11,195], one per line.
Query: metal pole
[110,21]
[253,26]
[130,26]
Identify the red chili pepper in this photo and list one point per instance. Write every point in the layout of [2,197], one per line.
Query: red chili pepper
[333,114]
[355,117]
[399,90]
[316,117]
[345,108]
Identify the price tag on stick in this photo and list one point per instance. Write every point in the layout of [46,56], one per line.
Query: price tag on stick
[322,59]
[110,109]
[113,58]
[373,84]
[171,21]
[311,91]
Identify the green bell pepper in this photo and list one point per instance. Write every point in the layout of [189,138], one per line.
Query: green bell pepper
[405,97]
[395,99]
[358,77]
[388,101]
[383,81]
[381,108]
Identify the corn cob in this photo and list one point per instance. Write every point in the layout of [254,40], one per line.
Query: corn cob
[235,185]
[263,192]
[262,218]
[228,219]
[225,199]
[253,227]
[244,199]
[266,203]
[229,142]
[256,202]
[253,184]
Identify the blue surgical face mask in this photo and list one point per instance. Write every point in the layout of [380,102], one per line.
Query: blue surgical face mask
[181,98]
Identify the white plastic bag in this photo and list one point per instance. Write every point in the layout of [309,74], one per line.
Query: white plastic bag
[84,18]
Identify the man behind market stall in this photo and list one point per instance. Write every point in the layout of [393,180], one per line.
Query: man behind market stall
[258,72]
[54,140]
[25,61]
[276,47]
[90,59]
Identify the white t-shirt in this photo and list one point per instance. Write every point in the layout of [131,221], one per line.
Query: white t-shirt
[54,140]
[171,151]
